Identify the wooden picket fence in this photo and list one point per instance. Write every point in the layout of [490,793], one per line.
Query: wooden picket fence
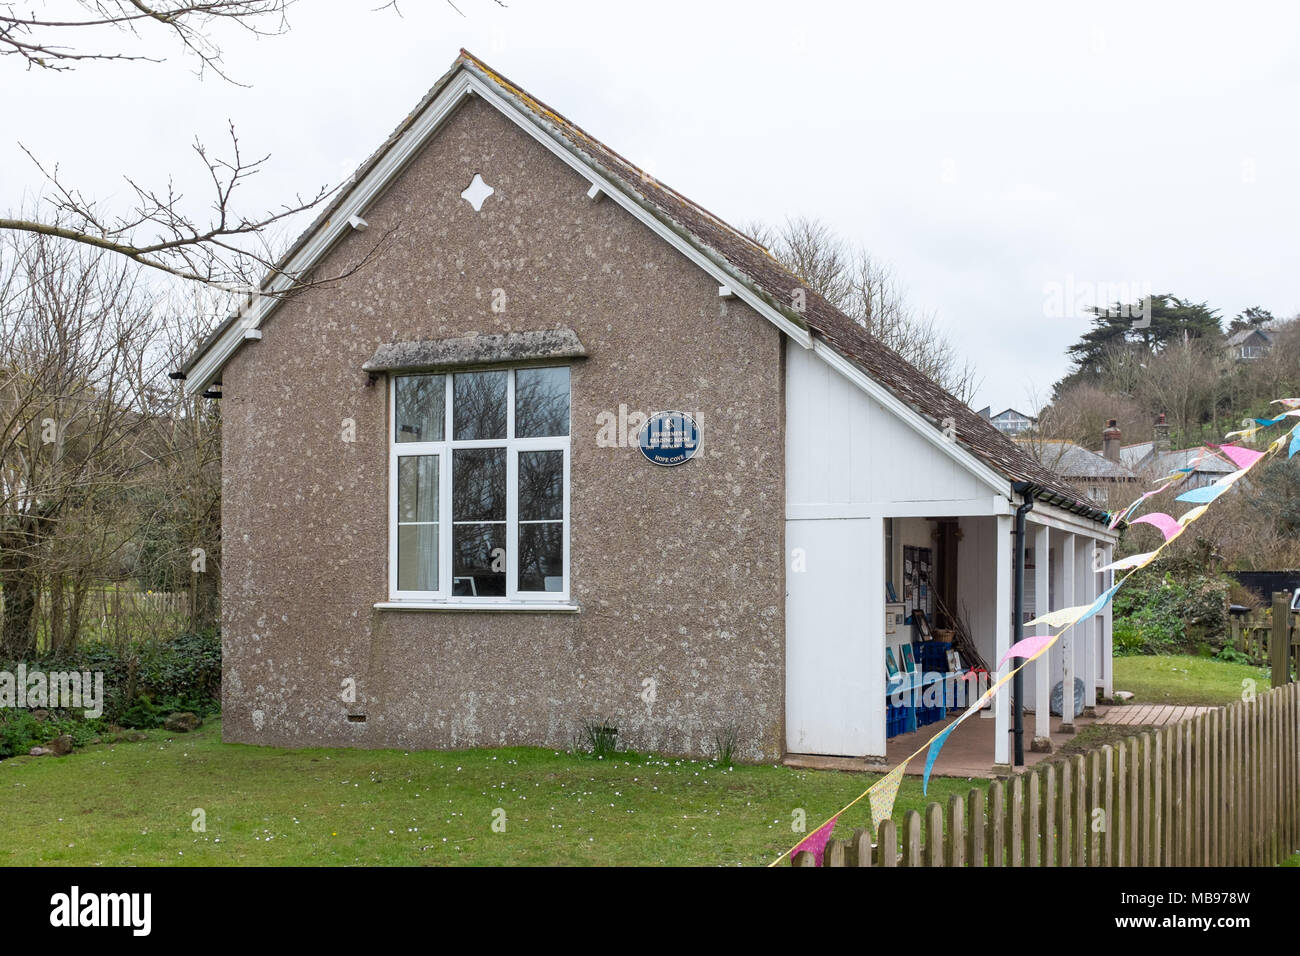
[1220,789]
[1254,635]
[115,614]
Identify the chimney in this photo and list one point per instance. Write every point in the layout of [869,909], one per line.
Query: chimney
[1160,438]
[1110,436]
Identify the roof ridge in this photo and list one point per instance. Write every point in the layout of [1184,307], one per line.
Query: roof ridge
[545,108]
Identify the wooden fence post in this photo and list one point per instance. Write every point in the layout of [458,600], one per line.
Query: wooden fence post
[1033,808]
[1256,778]
[1274,752]
[956,831]
[1279,645]
[975,831]
[1108,845]
[1065,823]
[1156,741]
[1079,810]
[997,825]
[1016,822]
[1143,817]
[1119,822]
[860,848]
[934,855]
[835,852]
[912,839]
[1049,815]
[1214,802]
[1134,816]
[887,844]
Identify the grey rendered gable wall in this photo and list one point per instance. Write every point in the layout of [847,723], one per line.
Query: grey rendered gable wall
[678,571]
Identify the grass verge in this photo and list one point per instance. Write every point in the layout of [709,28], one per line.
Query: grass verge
[134,803]
[1185,679]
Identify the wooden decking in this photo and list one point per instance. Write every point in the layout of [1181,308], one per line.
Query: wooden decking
[1150,715]
[969,751]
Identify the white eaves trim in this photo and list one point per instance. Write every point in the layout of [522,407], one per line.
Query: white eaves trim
[999,483]
[1051,516]
[207,366]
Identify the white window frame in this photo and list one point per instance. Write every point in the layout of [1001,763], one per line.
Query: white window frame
[443,451]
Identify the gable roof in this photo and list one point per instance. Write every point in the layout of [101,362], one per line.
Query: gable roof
[1133,455]
[1013,411]
[1244,335]
[1075,462]
[749,270]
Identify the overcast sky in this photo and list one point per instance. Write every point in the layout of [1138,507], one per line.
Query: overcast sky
[991,153]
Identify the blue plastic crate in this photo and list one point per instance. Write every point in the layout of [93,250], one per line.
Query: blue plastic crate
[932,655]
[897,719]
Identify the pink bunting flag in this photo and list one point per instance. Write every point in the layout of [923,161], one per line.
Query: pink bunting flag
[815,842]
[1168,525]
[1027,648]
[1241,457]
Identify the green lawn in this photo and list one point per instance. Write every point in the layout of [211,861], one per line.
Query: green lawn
[1185,679]
[132,803]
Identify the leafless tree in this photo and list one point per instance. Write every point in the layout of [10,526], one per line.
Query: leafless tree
[222,244]
[108,475]
[49,39]
[69,323]
[866,290]
[1185,381]
[1080,414]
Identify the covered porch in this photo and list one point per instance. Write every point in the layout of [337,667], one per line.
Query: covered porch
[971,591]
[942,576]
[897,530]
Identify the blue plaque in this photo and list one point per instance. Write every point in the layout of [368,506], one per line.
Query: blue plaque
[669,438]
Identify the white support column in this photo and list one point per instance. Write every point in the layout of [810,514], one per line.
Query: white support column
[1066,643]
[1107,623]
[1091,634]
[1002,637]
[1042,666]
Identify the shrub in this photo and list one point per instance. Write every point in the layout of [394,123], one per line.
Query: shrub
[1170,610]
[144,682]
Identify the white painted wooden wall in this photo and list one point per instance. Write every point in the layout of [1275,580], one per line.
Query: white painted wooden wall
[842,447]
[849,463]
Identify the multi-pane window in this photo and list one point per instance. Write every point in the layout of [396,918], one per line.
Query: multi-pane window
[480,478]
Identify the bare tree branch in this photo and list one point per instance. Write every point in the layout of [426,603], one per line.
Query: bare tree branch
[226,249]
[37,39]
[867,291]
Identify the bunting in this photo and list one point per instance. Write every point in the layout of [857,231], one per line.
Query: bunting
[883,794]
[815,842]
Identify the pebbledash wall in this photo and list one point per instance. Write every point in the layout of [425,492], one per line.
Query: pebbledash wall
[678,572]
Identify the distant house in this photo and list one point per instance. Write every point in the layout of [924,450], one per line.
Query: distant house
[1009,421]
[1097,474]
[1156,458]
[1250,344]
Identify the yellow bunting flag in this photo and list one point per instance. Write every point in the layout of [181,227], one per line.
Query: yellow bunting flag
[882,794]
[1062,618]
[1132,561]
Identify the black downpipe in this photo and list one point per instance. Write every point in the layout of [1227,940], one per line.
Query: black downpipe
[1025,490]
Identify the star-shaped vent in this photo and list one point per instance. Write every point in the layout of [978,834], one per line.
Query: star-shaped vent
[477,193]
